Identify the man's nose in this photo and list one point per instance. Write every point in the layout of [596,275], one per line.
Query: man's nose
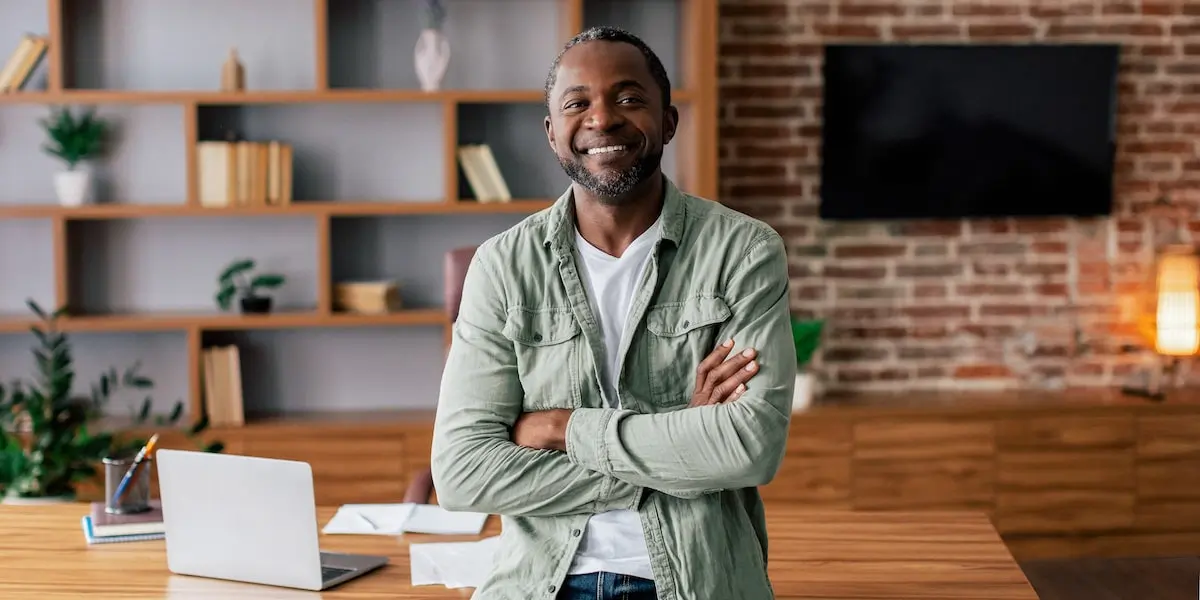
[604,116]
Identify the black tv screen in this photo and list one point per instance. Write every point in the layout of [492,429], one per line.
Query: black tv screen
[959,131]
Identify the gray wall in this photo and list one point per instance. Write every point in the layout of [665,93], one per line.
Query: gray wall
[350,152]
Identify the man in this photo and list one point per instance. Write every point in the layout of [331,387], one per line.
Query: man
[598,391]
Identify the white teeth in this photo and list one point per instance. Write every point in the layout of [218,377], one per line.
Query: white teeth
[605,149]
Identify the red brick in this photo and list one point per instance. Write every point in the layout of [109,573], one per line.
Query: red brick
[989,289]
[982,371]
[778,10]
[776,70]
[979,9]
[841,272]
[1000,30]
[848,30]
[903,31]
[870,251]
[870,8]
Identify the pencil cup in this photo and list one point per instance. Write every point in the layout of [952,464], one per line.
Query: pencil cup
[136,497]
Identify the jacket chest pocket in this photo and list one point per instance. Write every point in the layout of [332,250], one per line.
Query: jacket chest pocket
[680,335]
[547,350]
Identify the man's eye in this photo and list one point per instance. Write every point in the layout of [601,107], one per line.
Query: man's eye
[630,99]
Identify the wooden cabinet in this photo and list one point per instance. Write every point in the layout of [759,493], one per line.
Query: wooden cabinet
[1057,475]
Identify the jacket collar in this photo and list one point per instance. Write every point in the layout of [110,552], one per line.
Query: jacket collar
[560,222]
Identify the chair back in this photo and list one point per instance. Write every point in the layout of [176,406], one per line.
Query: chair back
[456,263]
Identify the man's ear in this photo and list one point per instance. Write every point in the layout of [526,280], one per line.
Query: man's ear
[670,122]
[550,132]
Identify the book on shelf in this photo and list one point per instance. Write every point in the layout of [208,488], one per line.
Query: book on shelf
[22,62]
[223,386]
[483,174]
[367,297]
[244,173]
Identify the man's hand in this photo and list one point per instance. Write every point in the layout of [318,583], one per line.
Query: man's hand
[719,380]
[542,429]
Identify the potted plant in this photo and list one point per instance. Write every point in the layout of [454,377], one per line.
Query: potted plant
[48,435]
[807,337]
[237,279]
[75,140]
[432,54]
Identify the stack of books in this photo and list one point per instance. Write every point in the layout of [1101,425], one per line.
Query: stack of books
[100,527]
[483,176]
[244,173]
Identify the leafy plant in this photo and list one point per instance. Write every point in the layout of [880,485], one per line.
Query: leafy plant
[433,14]
[47,442]
[74,139]
[237,277]
[807,336]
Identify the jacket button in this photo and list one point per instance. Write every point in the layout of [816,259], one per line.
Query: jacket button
[537,337]
[686,324]
[551,589]
[575,532]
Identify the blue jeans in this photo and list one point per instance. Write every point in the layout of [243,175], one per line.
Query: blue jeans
[606,586]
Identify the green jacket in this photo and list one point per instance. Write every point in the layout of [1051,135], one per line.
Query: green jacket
[526,340]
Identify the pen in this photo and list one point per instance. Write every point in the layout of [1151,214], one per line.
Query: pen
[137,461]
[369,522]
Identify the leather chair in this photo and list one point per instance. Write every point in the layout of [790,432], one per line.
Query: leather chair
[454,268]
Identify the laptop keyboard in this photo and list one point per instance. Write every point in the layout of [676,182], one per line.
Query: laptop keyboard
[328,573]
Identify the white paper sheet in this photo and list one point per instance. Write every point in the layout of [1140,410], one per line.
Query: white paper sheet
[452,564]
[372,519]
[430,518]
[396,519]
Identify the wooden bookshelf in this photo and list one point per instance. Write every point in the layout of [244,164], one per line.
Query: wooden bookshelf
[342,227]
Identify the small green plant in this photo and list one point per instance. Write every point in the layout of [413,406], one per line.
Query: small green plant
[238,279]
[807,336]
[74,139]
[433,14]
[47,442]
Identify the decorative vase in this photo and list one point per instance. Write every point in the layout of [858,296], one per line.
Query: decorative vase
[256,304]
[431,58]
[803,393]
[73,186]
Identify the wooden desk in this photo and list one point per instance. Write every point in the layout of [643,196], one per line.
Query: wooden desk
[828,555]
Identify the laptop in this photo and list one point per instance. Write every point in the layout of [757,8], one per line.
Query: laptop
[249,519]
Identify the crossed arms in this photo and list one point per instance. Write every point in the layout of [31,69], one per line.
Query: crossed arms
[609,457]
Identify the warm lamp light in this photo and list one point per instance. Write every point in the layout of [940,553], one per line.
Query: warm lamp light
[1177,312]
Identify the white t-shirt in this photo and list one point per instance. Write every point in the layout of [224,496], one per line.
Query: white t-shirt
[613,541]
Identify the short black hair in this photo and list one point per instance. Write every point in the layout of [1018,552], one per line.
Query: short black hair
[607,33]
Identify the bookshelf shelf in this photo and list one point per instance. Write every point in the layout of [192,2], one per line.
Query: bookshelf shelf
[465,206]
[378,191]
[169,321]
[335,96]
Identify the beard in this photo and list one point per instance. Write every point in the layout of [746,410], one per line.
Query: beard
[613,185]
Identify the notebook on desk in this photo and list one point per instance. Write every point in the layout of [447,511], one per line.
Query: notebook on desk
[89,534]
[106,524]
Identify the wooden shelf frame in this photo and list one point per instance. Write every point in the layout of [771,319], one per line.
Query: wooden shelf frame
[697,172]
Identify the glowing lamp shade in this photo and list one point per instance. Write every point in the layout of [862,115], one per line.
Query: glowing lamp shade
[1177,316]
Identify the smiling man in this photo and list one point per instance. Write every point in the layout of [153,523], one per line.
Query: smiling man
[620,377]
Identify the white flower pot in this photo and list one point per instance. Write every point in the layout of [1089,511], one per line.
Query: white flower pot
[73,187]
[803,394]
[431,58]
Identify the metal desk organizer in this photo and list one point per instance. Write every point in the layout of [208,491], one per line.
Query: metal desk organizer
[136,497]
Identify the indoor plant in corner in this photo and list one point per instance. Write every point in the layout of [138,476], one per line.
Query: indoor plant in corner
[237,280]
[807,337]
[49,437]
[75,140]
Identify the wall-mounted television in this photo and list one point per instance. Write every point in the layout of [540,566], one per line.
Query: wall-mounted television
[945,131]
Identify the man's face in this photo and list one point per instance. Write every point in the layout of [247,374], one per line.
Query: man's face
[607,123]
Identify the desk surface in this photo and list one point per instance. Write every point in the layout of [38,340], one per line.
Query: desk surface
[830,555]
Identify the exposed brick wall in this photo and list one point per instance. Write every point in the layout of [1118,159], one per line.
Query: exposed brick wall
[1007,303]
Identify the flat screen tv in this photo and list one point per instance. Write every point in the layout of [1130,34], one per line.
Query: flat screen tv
[946,131]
